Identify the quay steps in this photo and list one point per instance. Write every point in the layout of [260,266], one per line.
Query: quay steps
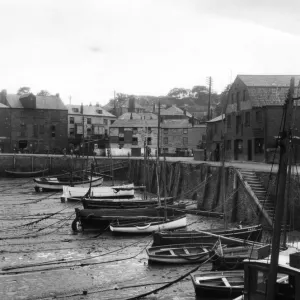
[260,193]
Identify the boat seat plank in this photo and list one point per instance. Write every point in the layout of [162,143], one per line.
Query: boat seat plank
[172,252]
[186,251]
[224,279]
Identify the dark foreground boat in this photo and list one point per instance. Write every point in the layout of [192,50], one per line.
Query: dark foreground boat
[252,233]
[225,284]
[180,254]
[233,258]
[25,174]
[100,219]
[89,203]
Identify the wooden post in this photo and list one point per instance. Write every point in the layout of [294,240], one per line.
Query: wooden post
[280,191]
[31,163]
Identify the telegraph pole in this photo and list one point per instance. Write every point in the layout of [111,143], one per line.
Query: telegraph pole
[209,98]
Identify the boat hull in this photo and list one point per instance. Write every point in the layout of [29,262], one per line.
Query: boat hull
[53,183]
[218,284]
[149,226]
[179,254]
[22,174]
[252,233]
[75,193]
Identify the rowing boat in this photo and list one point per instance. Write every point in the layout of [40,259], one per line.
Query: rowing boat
[217,284]
[179,254]
[22,174]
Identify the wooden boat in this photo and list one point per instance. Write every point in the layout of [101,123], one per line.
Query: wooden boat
[101,218]
[232,258]
[75,193]
[122,203]
[216,284]
[23,174]
[179,254]
[148,226]
[56,183]
[181,237]
[286,285]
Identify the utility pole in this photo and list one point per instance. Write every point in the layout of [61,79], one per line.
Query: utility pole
[157,154]
[284,143]
[209,98]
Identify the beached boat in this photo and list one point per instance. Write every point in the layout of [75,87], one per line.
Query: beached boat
[179,254]
[75,193]
[122,203]
[101,218]
[232,258]
[22,174]
[148,226]
[216,284]
[56,183]
[252,233]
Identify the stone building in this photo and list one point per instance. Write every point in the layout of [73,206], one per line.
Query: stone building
[253,116]
[89,123]
[30,123]
[132,132]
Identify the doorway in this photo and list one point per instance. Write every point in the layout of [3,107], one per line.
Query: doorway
[249,149]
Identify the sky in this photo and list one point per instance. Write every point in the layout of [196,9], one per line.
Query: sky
[87,50]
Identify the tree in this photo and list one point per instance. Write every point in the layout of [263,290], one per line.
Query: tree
[23,90]
[179,93]
[43,93]
[199,89]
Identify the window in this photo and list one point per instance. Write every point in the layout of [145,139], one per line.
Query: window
[165,150]
[89,131]
[71,120]
[149,141]
[228,121]
[238,123]
[232,98]
[75,109]
[42,128]
[134,130]
[149,130]
[185,141]
[244,95]
[105,121]
[166,140]
[53,131]
[72,132]
[35,130]
[259,146]
[228,145]
[121,139]
[165,130]
[134,140]
[247,119]
[258,116]
[261,283]
[23,129]
[185,131]
[99,111]
[89,121]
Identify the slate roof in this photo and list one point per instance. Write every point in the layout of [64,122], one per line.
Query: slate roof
[181,123]
[216,119]
[138,116]
[266,90]
[174,110]
[42,102]
[90,110]
[135,123]
[269,80]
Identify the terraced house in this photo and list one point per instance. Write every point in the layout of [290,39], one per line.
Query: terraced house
[30,123]
[253,116]
[89,125]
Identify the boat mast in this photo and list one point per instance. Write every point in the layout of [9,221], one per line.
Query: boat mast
[157,154]
[284,144]
[223,189]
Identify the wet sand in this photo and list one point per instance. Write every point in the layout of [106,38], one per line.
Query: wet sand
[46,260]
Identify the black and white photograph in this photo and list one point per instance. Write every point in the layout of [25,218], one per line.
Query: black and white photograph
[149,149]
